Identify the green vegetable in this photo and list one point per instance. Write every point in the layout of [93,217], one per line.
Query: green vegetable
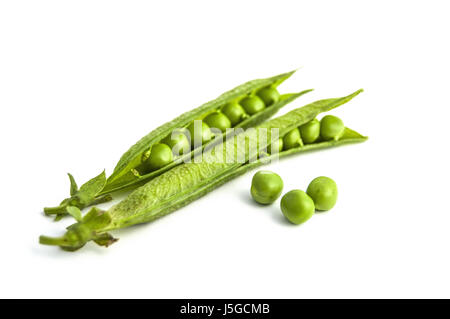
[310,132]
[252,104]
[292,139]
[83,231]
[276,146]
[199,132]
[218,120]
[297,206]
[159,156]
[185,183]
[178,142]
[331,127]
[138,179]
[269,95]
[128,173]
[266,187]
[323,191]
[88,194]
[235,112]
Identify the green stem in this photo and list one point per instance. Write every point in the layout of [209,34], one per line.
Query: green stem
[54,241]
[57,210]
[100,200]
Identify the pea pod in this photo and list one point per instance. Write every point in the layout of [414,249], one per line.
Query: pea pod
[130,171]
[187,182]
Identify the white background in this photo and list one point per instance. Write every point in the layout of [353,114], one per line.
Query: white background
[81,81]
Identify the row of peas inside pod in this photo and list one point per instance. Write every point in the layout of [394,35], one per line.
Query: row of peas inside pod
[183,140]
[296,205]
[329,128]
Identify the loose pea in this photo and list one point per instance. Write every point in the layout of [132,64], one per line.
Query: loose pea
[323,191]
[331,127]
[266,187]
[235,113]
[252,104]
[218,120]
[199,132]
[276,146]
[310,131]
[269,95]
[292,139]
[160,156]
[297,206]
[178,142]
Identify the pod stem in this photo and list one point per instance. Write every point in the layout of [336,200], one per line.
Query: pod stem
[57,210]
[89,227]
[100,200]
[52,241]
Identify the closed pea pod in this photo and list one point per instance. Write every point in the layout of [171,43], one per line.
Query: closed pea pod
[269,95]
[331,127]
[310,132]
[323,190]
[252,104]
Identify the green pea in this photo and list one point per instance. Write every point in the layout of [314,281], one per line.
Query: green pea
[310,131]
[276,146]
[178,142]
[160,155]
[331,127]
[323,191]
[199,132]
[292,139]
[252,104]
[269,95]
[297,206]
[266,187]
[235,113]
[218,120]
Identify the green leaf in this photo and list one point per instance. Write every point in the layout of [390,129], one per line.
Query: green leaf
[105,239]
[85,196]
[75,212]
[91,189]
[59,216]
[96,219]
[73,185]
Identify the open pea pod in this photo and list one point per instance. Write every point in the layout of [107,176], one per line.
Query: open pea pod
[133,177]
[189,181]
[131,172]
